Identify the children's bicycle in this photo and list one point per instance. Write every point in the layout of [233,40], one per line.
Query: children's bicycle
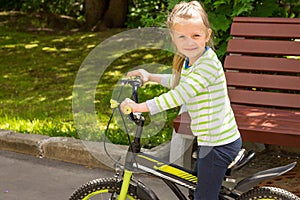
[124,186]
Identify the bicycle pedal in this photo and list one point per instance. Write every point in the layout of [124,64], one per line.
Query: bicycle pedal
[230,180]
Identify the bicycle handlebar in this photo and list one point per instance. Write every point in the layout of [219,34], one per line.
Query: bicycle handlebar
[135,82]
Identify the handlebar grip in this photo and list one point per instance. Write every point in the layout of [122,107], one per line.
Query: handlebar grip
[114,103]
[127,110]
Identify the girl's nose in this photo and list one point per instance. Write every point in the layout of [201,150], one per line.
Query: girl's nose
[190,41]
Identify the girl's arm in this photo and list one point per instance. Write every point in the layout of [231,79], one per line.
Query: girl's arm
[135,107]
[146,77]
[156,78]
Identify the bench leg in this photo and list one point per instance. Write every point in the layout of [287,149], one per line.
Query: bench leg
[181,149]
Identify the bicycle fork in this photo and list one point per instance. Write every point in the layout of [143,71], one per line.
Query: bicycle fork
[134,148]
[125,185]
[130,159]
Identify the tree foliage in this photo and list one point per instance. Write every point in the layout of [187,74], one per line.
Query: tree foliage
[145,13]
[221,12]
[72,8]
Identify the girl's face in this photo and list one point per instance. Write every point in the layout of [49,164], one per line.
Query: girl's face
[190,38]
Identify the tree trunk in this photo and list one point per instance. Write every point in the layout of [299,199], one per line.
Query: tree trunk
[113,15]
[94,11]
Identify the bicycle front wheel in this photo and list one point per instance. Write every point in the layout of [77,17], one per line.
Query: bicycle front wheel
[268,193]
[108,189]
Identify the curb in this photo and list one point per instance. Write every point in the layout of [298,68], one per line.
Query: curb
[91,154]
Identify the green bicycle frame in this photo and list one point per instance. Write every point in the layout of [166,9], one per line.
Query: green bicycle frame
[125,185]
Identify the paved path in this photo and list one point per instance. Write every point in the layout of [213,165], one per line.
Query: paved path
[24,177]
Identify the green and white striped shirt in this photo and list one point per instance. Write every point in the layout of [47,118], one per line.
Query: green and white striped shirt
[202,88]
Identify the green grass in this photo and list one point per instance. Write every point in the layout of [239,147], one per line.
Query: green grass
[37,74]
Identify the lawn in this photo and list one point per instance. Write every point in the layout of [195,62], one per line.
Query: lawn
[38,68]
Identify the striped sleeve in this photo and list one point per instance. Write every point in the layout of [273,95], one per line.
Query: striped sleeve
[191,84]
[166,80]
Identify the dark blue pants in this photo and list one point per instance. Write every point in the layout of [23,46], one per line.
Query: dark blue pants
[212,164]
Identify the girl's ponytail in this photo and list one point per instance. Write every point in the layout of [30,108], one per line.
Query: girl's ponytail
[178,61]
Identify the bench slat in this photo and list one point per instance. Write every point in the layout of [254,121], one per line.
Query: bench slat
[237,62]
[240,79]
[274,30]
[262,112]
[268,137]
[267,20]
[255,117]
[271,47]
[274,125]
[264,98]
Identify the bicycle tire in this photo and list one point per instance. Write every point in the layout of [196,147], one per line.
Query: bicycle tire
[268,193]
[106,188]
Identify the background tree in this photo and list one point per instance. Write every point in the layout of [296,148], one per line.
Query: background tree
[103,14]
[99,15]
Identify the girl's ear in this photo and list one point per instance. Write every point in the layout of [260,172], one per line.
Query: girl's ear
[209,31]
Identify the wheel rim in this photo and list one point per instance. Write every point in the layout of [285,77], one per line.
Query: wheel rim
[92,194]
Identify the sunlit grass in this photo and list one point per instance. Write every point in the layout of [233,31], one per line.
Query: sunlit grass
[37,74]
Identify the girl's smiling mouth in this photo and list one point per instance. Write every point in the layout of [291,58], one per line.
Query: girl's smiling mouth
[191,49]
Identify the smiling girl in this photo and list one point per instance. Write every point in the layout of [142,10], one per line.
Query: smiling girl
[198,82]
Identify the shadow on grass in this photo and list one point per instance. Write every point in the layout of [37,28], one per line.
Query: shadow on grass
[37,74]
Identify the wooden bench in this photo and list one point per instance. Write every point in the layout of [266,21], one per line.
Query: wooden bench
[262,69]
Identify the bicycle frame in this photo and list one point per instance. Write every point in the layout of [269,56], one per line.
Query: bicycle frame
[174,175]
[136,160]
[171,174]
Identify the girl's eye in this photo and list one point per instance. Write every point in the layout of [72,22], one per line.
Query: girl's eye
[196,36]
[181,36]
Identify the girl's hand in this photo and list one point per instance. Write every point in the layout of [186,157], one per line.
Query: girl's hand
[140,72]
[128,102]
[135,107]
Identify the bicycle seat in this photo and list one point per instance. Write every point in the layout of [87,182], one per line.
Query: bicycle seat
[238,158]
[241,160]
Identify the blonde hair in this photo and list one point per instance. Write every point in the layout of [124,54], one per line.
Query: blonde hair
[184,11]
